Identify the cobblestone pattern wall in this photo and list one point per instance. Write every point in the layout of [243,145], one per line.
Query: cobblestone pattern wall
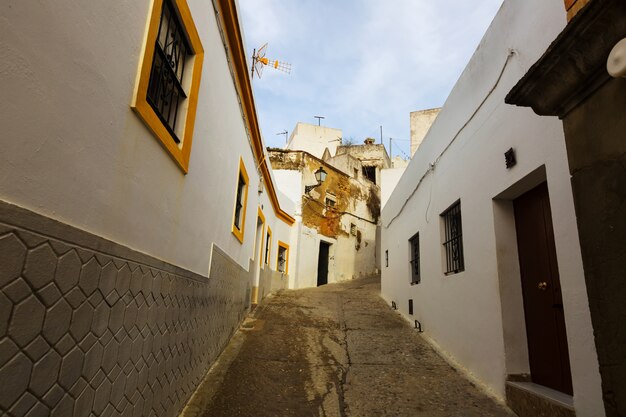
[89,327]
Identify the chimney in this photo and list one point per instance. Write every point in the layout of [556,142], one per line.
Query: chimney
[369,141]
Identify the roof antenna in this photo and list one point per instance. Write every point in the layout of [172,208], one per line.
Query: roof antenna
[319,119]
[259,61]
[283,133]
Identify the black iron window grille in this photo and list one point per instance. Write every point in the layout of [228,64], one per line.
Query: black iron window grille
[453,239]
[267,248]
[165,89]
[282,258]
[414,242]
[241,186]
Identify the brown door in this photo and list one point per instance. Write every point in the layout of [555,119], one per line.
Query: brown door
[543,304]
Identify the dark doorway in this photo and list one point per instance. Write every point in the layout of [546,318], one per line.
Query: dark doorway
[322,264]
[543,304]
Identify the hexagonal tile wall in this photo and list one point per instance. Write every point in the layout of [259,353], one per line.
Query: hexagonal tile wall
[83,331]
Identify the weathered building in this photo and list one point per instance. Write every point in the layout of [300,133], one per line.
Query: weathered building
[314,139]
[335,232]
[480,236]
[128,257]
[420,122]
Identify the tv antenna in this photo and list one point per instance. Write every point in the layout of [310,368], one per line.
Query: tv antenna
[283,133]
[259,61]
[319,119]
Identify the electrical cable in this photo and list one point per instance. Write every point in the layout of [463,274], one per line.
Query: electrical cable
[431,166]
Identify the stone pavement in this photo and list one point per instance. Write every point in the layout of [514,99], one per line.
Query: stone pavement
[336,350]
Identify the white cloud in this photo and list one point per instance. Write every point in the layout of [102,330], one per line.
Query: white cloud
[360,63]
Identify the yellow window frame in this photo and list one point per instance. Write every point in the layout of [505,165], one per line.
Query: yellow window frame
[178,152]
[242,173]
[285,246]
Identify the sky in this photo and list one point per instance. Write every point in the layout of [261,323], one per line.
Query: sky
[361,64]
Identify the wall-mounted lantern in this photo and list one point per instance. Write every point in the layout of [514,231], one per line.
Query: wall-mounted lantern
[320,177]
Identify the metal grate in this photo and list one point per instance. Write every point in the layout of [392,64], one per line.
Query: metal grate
[267,248]
[415,258]
[282,258]
[165,89]
[453,243]
[239,205]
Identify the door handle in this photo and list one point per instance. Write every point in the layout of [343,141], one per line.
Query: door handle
[542,285]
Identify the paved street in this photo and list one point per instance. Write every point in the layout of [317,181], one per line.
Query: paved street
[337,350]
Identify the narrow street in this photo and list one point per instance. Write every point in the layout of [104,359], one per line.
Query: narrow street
[336,350]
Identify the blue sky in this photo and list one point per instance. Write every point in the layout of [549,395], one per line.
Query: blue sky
[360,64]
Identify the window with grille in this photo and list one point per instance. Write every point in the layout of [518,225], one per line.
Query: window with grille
[414,245]
[241,199]
[282,263]
[165,89]
[168,83]
[268,245]
[453,239]
[241,186]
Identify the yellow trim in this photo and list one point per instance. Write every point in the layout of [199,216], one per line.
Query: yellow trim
[241,173]
[286,247]
[254,296]
[268,245]
[179,152]
[232,31]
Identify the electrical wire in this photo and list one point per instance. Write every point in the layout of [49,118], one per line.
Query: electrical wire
[431,166]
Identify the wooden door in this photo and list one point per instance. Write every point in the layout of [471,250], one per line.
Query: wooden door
[543,304]
[322,264]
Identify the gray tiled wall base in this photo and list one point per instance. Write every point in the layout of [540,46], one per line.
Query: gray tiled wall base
[88,326]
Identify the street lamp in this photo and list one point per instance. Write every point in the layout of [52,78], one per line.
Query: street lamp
[320,177]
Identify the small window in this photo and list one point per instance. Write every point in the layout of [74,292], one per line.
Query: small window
[453,239]
[356,173]
[414,244]
[386,258]
[239,219]
[268,245]
[353,229]
[282,263]
[166,94]
[330,203]
[370,173]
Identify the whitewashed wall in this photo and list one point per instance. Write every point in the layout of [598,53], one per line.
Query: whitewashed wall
[388,180]
[314,139]
[73,150]
[464,314]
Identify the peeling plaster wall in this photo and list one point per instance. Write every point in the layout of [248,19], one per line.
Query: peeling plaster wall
[350,255]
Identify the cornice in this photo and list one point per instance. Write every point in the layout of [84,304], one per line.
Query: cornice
[230,23]
[574,66]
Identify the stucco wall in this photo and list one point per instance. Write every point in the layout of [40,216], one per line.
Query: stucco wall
[314,139]
[420,122]
[73,149]
[475,317]
[389,180]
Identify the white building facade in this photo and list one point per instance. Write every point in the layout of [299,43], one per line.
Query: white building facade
[128,257]
[454,237]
